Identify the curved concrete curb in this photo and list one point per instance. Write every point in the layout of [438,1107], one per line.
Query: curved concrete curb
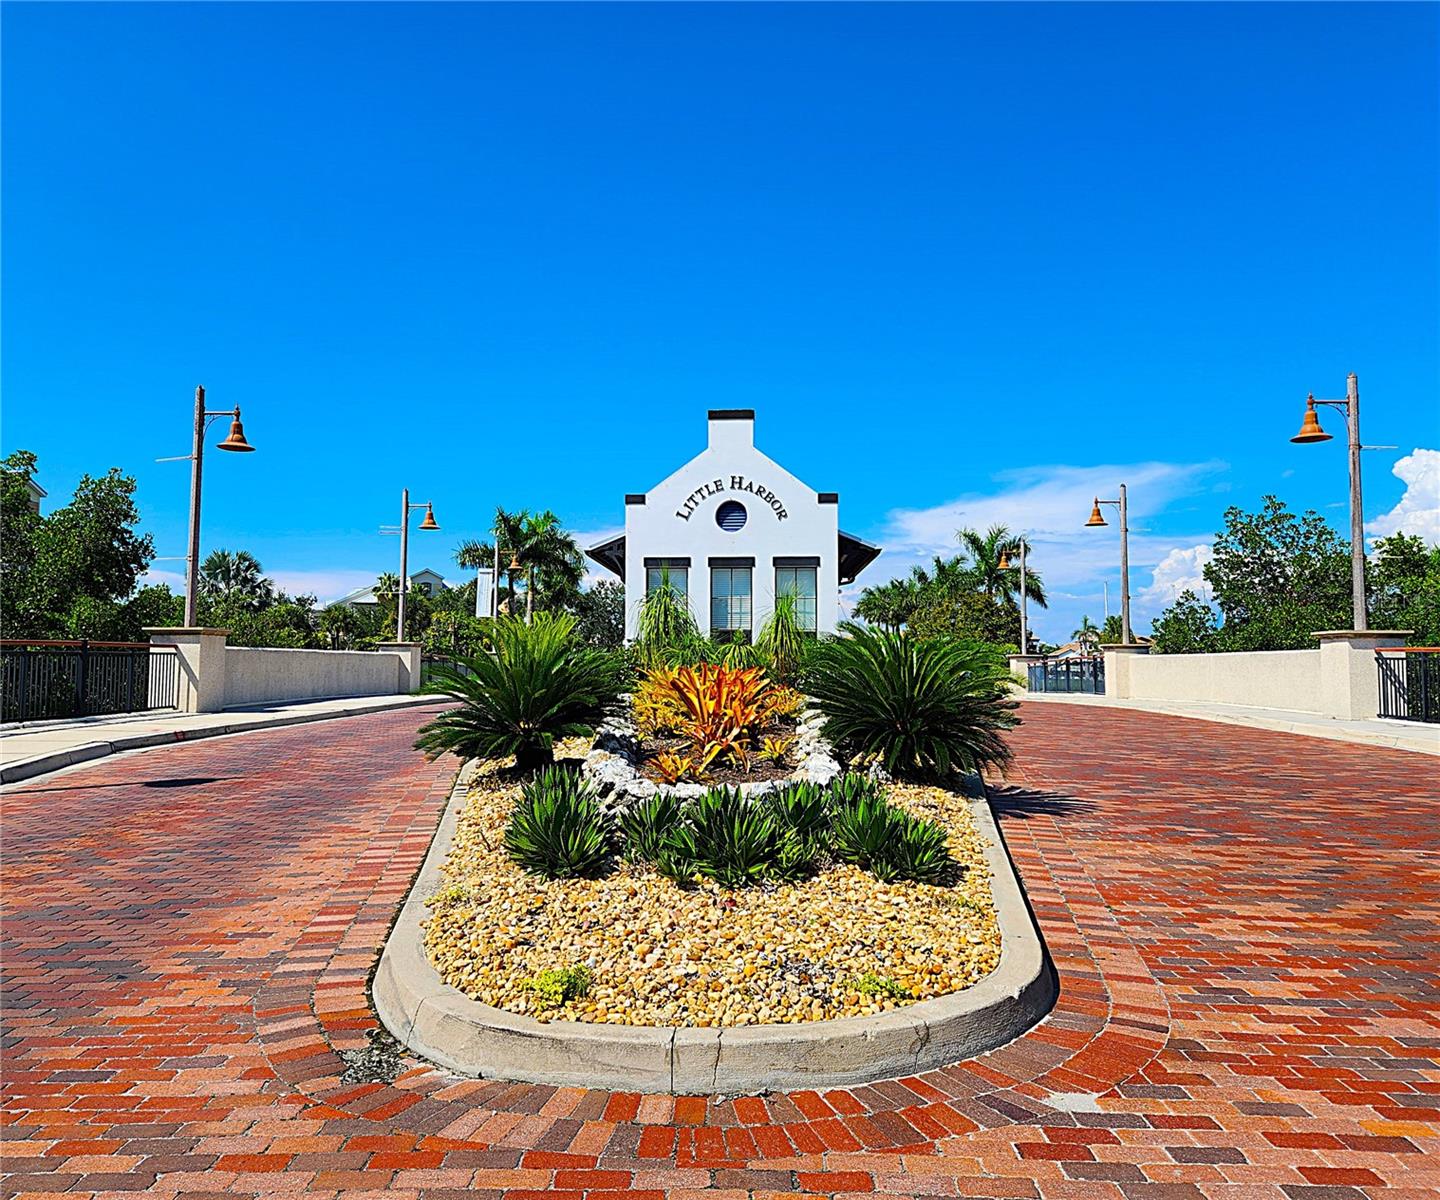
[439,1022]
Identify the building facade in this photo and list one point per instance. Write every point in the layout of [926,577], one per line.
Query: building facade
[731,530]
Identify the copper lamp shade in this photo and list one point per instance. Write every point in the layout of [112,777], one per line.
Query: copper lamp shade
[1310,430]
[515,564]
[429,521]
[1004,561]
[236,440]
[1095,517]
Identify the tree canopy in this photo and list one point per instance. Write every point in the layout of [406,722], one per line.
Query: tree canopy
[1277,578]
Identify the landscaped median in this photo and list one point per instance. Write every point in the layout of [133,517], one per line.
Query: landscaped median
[809,945]
[716,925]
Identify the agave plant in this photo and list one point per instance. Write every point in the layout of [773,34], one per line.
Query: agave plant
[735,839]
[888,842]
[557,828]
[539,684]
[923,707]
[646,827]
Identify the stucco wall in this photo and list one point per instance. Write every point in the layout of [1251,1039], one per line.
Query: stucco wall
[1288,679]
[258,676]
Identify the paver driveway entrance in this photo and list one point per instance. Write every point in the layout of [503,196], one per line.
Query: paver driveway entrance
[1244,923]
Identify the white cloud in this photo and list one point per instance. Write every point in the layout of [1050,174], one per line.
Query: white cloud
[1180,570]
[174,580]
[1418,511]
[1052,503]
[326,586]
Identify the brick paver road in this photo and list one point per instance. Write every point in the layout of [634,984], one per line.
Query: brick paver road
[1245,926]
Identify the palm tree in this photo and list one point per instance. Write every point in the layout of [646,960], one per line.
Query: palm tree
[890,604]
[340,624]
[553,563]
[947,578]
[237,577]
[1088,635]
[982,555]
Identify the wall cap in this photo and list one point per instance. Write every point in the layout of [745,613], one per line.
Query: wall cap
[1340,635]
[399,645]
[198,630]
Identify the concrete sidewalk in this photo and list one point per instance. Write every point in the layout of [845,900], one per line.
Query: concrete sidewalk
[1396,735]
[37,748]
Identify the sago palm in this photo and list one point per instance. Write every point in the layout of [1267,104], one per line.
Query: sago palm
[540,683]
[923,707]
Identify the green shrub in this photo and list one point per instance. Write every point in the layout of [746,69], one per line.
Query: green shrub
[645,827]
[557,829]
[888,842]
[923,707]
[539,684]
[870,984]
[559,985]
[803,808]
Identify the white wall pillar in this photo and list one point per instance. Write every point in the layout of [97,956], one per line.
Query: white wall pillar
[201,653]
[409,656]
[1349,678]
[1020,665]
[1117,667]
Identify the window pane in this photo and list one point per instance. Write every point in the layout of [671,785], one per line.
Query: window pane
[730,598]
[678,577]
[800,583]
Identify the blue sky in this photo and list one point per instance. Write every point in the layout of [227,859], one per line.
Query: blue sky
[968,262]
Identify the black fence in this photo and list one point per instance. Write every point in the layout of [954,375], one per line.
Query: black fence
[52,680]
[428,663]
[1069,675]
[1410,683]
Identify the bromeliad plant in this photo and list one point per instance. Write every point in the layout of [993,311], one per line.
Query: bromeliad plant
[722,711]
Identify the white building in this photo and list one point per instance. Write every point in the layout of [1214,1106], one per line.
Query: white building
[422,583]
[731,530]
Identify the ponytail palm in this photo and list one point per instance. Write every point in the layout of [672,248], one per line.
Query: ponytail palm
[923,707]
[539,684]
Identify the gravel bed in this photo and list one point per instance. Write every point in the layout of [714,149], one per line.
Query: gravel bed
[703,956]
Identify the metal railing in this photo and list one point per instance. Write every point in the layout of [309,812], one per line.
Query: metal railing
[428,663]
[52,680]
[1409,682]
[1068,675]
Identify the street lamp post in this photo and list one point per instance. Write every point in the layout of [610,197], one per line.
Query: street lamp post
[1024,614]
[236,441]
[1096,519]
[406,508]
[1310,431]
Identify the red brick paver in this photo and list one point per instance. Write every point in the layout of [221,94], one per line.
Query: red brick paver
[1243,923]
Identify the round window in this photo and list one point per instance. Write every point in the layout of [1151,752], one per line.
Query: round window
[730,516]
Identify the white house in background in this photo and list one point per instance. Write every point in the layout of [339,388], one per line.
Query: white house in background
[731,530]
[37,494]
[424,583]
